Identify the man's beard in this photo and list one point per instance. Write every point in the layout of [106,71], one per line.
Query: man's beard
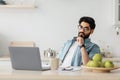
[81,34]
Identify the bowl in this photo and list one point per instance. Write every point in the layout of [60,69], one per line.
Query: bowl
[99,69]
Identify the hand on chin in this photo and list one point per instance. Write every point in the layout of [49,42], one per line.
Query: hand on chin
[81,34]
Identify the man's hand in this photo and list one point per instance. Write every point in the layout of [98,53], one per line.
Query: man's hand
[80,38]
[80,41]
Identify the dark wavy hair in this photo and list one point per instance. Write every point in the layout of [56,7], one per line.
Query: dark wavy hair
[89,20]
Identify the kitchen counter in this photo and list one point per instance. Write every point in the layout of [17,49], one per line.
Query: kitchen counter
[7,73]
[113,59]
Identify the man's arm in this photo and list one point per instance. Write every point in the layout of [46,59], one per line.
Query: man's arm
[85,56]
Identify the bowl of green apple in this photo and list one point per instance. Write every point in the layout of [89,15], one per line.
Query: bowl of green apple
[97,65]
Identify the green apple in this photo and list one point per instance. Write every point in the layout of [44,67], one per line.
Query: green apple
[101,64]
[88,63]
[108,64]
[94,64]
[97,57]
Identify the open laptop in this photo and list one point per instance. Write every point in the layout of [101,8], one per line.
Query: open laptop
[26,58]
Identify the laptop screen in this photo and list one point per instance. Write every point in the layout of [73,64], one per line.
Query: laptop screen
[25,58]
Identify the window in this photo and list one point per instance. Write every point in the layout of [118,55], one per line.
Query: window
[119,10]
[116,12]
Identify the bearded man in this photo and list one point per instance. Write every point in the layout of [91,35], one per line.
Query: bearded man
[80,49]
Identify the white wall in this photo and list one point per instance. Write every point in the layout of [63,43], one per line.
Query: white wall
[55,21]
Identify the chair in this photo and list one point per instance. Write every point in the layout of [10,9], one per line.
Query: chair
[22,44]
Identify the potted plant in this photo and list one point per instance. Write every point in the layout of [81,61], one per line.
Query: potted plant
[2,2]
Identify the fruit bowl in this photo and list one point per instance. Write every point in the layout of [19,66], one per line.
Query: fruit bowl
[99,69]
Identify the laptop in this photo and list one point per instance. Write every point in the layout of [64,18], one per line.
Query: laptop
[26,58]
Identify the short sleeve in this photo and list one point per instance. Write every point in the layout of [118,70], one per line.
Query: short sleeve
[95,49]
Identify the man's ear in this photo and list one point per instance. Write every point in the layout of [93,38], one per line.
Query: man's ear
[92,31]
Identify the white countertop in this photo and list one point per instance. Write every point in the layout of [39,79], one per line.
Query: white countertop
[7,73]
[117,59]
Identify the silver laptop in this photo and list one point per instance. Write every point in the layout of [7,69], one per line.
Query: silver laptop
[26,58]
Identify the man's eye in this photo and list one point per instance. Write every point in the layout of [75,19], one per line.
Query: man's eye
[81,27]
[86,28]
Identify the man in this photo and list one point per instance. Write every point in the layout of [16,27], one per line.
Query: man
[80,49]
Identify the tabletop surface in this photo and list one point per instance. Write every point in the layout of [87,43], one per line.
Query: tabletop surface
[7,73]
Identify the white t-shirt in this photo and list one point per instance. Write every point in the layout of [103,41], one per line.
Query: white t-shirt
[68,59]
